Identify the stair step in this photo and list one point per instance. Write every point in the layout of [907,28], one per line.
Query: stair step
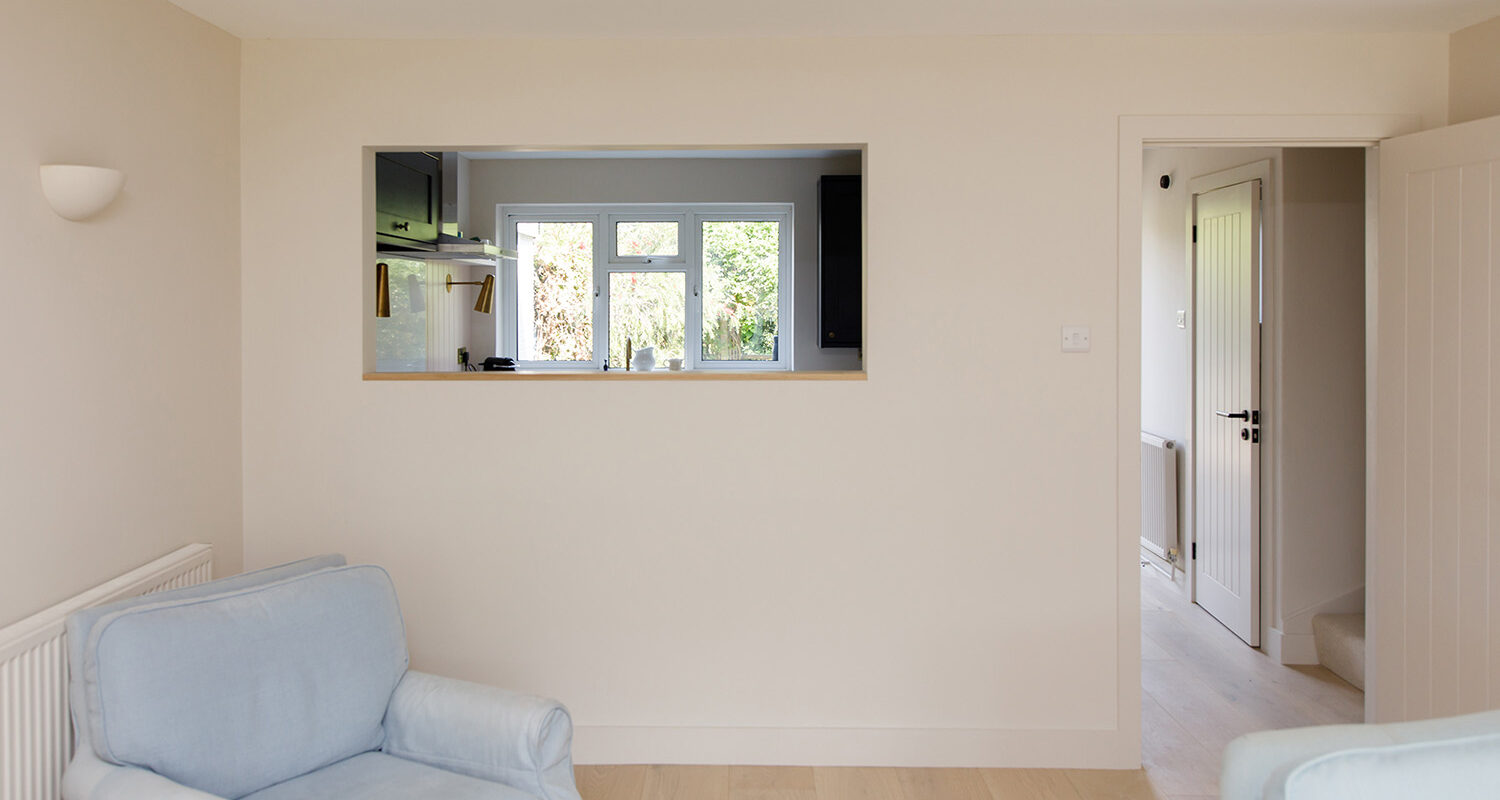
[1340,639]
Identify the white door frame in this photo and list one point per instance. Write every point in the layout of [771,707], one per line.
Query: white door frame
[1135,134]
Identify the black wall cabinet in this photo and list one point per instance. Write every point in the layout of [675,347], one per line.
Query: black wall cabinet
[408,199]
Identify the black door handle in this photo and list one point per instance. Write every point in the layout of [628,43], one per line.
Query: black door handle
[1244,415]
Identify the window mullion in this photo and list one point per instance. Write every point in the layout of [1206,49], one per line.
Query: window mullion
[603,246]
[692,345]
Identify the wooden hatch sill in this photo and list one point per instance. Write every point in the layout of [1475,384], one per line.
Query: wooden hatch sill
[621,375]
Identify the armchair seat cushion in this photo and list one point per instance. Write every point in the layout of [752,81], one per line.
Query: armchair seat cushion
[377,776]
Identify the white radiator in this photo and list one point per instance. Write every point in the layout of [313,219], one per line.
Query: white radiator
[36,733]
[1159,496]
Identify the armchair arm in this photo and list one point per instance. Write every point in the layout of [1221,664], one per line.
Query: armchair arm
[1255,762]
[522,741]
[90,778]
[1453,769]
[1257,765]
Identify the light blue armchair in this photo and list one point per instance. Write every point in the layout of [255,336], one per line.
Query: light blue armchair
[1455,758]
[291,683]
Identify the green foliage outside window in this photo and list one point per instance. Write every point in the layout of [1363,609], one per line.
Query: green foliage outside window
[563,296]
[741,267]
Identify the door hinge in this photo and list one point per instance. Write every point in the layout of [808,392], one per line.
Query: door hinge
[1195,551]
[1195,234]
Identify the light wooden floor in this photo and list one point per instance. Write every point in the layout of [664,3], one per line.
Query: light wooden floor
[1201,688]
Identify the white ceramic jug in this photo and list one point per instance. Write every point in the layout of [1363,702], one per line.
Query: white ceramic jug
[644,359]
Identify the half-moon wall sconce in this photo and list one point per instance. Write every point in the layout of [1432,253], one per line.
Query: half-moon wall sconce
[77,192]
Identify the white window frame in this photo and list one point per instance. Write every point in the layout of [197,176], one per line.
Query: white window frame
[690,218]
[681,259]
[760,212]
[507,332]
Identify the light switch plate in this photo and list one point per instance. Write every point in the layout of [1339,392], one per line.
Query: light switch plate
[1075,339]
[1181,319]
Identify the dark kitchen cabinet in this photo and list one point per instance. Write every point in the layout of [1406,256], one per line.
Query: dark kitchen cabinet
[408,199]
[840,261]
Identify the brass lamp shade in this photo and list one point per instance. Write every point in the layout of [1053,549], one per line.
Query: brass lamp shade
[382,290]
[486,302]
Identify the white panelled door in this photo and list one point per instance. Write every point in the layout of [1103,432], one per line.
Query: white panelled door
[1434,554]
[1227,274]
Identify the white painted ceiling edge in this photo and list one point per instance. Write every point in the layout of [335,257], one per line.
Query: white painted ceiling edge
[676,19]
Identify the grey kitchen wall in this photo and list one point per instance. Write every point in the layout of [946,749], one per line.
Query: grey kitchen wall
[496,182]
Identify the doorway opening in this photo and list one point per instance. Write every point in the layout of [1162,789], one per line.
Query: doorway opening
[1253,265]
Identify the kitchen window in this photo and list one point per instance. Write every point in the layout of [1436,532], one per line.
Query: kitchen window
[710,284]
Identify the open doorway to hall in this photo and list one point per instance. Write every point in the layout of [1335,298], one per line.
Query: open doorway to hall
[1253,448]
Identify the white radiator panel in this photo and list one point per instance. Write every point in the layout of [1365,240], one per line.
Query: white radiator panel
[36,735]
[1159,496]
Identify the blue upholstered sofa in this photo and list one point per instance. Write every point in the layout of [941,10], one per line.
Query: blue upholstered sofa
[1454,758]
[291,683]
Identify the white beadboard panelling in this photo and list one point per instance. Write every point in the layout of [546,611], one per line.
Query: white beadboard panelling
[1472,595]
[448,313]
[1436,566]
[36,735]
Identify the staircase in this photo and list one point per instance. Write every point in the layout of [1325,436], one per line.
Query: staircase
[1340,639]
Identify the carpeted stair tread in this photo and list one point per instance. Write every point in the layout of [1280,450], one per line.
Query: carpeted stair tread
[1340,640]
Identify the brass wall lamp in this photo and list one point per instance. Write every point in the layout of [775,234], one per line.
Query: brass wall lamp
[486,300]
[485,304]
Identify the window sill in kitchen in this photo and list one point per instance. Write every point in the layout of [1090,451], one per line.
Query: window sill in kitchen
[618,375]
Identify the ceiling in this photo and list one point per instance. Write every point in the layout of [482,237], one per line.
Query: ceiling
[653,19]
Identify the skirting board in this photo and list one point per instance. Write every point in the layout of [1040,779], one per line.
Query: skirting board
[1293,642]
[1291,648]
[862,747]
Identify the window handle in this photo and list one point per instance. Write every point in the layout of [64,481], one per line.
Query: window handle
[596,290]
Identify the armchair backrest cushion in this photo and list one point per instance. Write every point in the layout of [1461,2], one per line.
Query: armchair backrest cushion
[80,623]
[233,692]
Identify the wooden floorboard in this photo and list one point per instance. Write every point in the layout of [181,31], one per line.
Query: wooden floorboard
[686,783]
[1201,688]
[1029,784]
[611,783]
[772,783]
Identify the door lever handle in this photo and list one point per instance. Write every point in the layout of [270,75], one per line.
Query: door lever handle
[1244,415]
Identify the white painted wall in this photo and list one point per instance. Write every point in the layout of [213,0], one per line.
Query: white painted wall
[1319,471]
[120,400]
[1473,64]
[849,572]
[677,180]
